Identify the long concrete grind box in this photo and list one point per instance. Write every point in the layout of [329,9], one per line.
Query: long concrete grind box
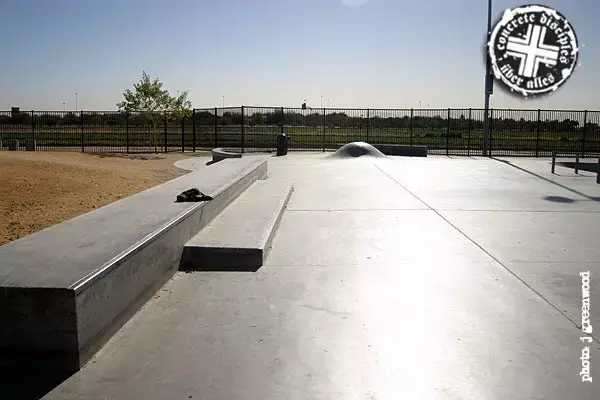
[64,291]
[240,238]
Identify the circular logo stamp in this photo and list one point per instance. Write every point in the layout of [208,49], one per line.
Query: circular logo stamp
[533,50]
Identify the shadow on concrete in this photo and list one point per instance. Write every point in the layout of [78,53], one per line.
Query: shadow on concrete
[29,385]
[577,192]
[559,199]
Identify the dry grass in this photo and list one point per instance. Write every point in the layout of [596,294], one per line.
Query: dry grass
[40,189]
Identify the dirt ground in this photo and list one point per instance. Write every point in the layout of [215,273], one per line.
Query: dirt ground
[41,189]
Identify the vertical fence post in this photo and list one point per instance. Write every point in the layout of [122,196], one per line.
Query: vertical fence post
[583,134]
[448,135]
[411,126]
[183,134]
[537,136]
[194,130]
[368,111]
[598,172]
[32,131]
[323,135]
[553,161]
[491,132]
[165,131]
[243,137]
[469,134]
[82,135]
[216,127]
[127,140]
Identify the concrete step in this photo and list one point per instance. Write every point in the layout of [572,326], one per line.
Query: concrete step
[239,239]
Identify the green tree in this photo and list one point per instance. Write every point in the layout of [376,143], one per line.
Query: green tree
[153,104]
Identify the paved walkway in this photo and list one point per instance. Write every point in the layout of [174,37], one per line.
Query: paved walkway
[438,278]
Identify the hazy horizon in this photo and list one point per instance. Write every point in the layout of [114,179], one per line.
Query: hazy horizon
[354,53]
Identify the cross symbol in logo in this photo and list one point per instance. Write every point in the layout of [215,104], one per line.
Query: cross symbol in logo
[532,51]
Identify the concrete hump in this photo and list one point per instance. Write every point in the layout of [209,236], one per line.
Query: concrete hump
[357,149]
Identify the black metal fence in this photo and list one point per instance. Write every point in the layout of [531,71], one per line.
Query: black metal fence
[442,131]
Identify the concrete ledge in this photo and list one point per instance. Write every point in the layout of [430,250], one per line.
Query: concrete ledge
[240,238]
[222,154]
[65,290]
[399,150]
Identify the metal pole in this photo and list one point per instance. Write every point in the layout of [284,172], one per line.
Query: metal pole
[583,135]
[76,102]
[194,130]
[491,132]
[82,134]
[598,172]
[126,130]
[577,163]
[32,129]
[183,134]
[469,135]
[553,160]
[448,135]
[488,85]
[165,132]
[216,127]
[537,137]
[323,130]
[242,129]
[367,125]
[411,126]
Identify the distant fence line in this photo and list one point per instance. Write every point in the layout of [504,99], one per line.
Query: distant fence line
[442,131]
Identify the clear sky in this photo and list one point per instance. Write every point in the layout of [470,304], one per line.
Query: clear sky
[354,53]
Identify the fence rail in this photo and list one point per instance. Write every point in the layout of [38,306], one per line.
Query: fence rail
[442,131]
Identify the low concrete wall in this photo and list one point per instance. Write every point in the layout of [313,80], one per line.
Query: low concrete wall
[65,290]
[222,154]
[399,150]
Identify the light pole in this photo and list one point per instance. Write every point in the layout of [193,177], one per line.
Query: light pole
[76,101]
[64,106]
[489,84]
[223,101]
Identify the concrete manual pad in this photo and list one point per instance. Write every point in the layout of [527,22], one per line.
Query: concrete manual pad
[404,296]
[240,237]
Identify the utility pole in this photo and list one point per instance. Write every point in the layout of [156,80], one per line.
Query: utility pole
[76,101]
[489,85]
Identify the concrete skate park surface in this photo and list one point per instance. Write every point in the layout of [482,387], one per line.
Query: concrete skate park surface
[389,278]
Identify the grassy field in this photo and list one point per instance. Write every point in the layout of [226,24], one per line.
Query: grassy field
[119,139]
